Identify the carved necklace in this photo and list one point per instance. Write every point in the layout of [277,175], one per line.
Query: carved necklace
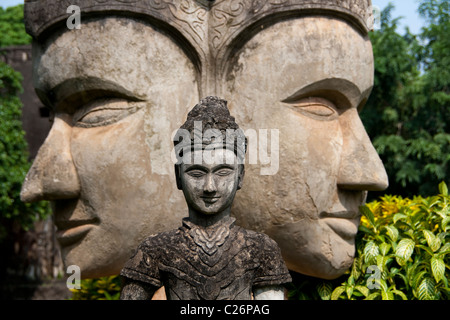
[210,239]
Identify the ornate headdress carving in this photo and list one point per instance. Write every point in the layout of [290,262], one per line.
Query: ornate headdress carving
[208,28]
[203,20]
[210,123]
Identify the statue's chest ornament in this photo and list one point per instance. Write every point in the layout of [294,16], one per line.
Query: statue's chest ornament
[209,244]
[210,240]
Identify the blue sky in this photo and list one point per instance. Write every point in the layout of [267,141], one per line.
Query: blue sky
[405,8]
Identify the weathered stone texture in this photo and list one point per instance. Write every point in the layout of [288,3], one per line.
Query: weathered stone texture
[122,83]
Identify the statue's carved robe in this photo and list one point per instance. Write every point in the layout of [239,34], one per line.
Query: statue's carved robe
[221,262]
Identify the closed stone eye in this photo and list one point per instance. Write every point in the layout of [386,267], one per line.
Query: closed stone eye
[316,108]
[224,172]
[196,173]
[104,112]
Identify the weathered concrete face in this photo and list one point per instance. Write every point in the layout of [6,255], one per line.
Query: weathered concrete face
[121,86]
[104,162]
[306,78]
[210,187]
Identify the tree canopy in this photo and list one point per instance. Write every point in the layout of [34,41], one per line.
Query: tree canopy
[12,27]
[407,115]
[14,162]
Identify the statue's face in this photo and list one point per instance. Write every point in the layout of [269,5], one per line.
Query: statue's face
[106,161]
[210,187]
[306,78]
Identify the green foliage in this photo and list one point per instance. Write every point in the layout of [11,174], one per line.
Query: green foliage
[407,115]
[13,27]
[105,288]
[13,156]
[402,254]
[14,162]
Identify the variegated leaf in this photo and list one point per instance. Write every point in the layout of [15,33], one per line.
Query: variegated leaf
[438,268]
[392,232]
[404,249]
[371,251]
[426,290]
[325,290]
[337,293]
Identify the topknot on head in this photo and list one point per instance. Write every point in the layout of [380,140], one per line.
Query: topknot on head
[213,113]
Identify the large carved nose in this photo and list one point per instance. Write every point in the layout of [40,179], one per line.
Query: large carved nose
[361,167]
[53,175]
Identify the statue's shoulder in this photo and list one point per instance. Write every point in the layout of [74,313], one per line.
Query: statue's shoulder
[160,239]
[259,238]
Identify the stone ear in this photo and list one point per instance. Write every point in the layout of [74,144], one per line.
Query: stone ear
[241,176]
[178,176]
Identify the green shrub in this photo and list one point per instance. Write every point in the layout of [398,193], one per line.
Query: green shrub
[105,288]
[402,254]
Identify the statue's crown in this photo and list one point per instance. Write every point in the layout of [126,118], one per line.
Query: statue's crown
[210,123]
[203,19]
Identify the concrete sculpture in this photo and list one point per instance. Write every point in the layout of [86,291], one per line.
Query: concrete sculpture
[121,81]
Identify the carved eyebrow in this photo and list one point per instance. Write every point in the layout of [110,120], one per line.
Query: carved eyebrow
[342,91]
[75,91]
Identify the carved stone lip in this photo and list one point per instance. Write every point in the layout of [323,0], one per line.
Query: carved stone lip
[72,231]
[210,199]
[64,225]
[345,228]
[340,215]
[71,236]
[343,223]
